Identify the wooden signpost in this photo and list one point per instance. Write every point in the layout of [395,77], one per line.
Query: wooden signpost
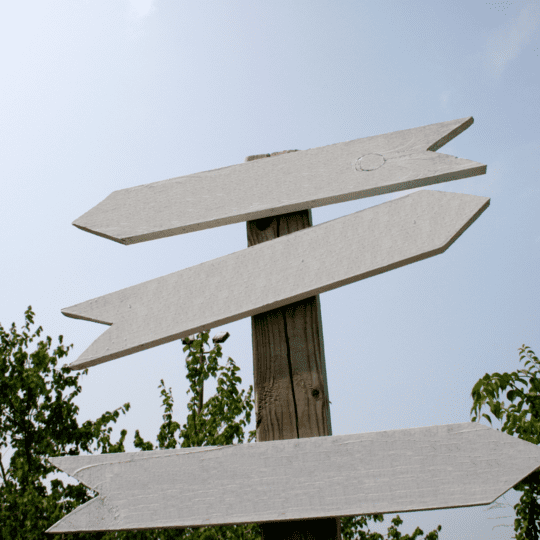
[297,479]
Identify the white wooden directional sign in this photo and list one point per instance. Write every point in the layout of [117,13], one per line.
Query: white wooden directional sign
[404,470]
[276,273]
[286,183]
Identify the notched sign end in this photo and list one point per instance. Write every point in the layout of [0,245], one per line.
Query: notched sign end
[97,352]
[112,345]
[84,361]
[94,515]
[452,134]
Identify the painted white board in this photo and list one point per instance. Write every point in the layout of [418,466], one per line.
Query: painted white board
[403,470]
[286,183]
[276,273]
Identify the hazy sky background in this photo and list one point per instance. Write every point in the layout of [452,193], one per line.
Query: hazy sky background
[102,95]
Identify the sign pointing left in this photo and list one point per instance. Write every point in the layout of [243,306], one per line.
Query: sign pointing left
[295,181]
[273,274]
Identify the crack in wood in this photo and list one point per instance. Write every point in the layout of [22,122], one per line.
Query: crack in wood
[289,362]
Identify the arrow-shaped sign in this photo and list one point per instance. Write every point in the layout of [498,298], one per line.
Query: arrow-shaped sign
[276,273]
[404,470]
[286,183]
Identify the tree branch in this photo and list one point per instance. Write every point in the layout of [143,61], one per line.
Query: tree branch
[4,478]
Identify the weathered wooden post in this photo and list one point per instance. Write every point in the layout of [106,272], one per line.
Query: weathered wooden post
[297,478]
[289,372]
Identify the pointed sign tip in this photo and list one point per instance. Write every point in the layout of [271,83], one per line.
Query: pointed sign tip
[77,223]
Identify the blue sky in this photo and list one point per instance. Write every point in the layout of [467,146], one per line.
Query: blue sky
[103,95]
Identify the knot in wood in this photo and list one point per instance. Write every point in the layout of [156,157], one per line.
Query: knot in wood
[264,223]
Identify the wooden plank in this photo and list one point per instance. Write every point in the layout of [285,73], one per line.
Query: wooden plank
[286,183]
[289,372]
[405,470]
[273,274]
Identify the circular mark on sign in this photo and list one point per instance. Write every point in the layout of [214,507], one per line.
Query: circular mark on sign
[369,162]
[315,393]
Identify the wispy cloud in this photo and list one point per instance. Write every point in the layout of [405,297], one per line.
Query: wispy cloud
[444,97]
[141,8]
[507,41]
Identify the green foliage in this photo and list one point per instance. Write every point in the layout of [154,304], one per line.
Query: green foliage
[219,421]
[352,529]
[38,418]
[521,418]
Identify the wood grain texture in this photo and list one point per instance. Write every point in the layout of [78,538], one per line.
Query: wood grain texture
[286,183]
[291,391]
[291,387]
[405,470]
[273,274]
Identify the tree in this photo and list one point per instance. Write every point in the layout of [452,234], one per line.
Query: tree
[38,418]
[521,418]
[219,421]
[351,529]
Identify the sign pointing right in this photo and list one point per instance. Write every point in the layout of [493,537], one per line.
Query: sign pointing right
[403,470]
[276,273]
